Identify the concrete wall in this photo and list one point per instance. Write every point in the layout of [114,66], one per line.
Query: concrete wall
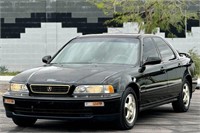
[191,41]
[31,29]
[27,52]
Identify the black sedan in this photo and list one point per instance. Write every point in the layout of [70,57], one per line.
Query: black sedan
[109,77]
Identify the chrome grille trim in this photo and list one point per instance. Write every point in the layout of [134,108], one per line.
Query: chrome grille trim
[49,85]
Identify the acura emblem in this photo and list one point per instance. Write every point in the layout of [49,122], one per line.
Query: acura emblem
[49,89]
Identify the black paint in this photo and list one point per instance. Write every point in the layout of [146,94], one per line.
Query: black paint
[13,30]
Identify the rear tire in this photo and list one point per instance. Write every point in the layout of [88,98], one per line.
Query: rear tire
[183,102]
[128,110]
[24,122]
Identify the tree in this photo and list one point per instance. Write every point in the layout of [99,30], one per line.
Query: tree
[3,69]
[196,58]
[149,14]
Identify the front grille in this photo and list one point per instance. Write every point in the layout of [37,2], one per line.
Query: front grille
[53,112]
[49,89]
[51,108]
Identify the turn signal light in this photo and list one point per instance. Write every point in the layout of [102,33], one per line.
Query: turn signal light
[9,101]
[94,104]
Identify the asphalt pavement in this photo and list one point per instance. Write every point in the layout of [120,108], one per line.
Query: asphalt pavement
[158,120]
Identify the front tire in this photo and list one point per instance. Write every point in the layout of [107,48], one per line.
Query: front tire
[183,102]
[24,122]
[128,109]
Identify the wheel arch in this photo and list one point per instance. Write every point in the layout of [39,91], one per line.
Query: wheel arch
[189,79]
[136,89]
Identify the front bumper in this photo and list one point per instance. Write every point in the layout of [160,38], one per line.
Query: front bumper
[61,107]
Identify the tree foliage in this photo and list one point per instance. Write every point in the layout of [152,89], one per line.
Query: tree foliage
[149,14]
[196,58]
[3,69]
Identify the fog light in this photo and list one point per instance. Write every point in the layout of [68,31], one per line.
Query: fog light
[9,101]
[94,104]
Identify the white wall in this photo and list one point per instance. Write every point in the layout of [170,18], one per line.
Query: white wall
[27,52]
[191,41]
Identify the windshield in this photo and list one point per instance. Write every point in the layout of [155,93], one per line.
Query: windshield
[99,50]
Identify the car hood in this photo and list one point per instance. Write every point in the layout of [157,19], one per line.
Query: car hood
[80,74]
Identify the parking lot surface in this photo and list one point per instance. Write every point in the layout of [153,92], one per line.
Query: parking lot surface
[158,120]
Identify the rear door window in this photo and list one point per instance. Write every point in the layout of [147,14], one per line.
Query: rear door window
[165,50]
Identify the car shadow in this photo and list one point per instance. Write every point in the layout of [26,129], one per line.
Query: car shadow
[162,110]
[90,125]
[68,126]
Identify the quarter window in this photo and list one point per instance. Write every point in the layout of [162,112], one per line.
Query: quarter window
[165,51]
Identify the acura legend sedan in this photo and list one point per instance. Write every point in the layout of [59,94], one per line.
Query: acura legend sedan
[102,77]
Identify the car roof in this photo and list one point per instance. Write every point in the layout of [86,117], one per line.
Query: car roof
[117,35]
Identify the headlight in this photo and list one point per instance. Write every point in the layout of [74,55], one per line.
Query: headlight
[94,89]
[18,87]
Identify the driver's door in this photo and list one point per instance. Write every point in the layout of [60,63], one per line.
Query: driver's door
[154,77]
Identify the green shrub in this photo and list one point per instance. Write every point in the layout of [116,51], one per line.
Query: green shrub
[196,58]
[4,72]
[3,69]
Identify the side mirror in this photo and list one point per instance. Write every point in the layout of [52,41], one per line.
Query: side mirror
[150,61]
[46,59]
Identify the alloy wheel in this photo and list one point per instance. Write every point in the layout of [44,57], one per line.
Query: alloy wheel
[130,108]
[186,95]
